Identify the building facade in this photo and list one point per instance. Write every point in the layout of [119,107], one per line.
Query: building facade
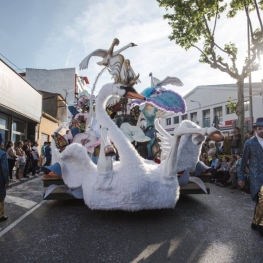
[207,104]
[20,107]
[65,81]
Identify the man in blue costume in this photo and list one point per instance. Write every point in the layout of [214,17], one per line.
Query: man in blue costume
[4,180]
[253,158]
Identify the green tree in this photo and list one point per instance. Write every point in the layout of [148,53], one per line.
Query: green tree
[195,21]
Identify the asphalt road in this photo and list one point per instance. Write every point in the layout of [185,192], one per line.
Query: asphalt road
[201,228]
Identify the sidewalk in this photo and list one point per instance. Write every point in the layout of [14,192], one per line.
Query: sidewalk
[11,184]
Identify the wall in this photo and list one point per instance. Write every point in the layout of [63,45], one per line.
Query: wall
[54,81]
[212,96]
[46,126]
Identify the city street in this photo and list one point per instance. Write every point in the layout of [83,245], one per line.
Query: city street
[201,228]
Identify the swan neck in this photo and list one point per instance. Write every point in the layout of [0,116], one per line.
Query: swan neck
[120,50]
[125,149]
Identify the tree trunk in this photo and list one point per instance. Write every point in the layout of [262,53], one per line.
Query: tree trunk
[240,107]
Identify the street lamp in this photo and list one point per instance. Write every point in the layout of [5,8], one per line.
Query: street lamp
[196,102]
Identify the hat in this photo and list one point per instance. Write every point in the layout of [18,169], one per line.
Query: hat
[259,123]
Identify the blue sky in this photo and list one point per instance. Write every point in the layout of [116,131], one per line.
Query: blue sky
[52,34]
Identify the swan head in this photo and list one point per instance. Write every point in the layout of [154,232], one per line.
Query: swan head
[127,92]
[132,45]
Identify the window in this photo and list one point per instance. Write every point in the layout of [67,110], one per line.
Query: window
[184,117]
[246,105]
[193,116]
[206,118]
[176,119]
[219,113]
[19,131]
[168,121]
[4,128]
[229,110]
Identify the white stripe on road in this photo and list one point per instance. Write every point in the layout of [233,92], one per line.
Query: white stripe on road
[20,201]
[20,218]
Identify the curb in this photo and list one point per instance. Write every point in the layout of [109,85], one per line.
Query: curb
[11,184]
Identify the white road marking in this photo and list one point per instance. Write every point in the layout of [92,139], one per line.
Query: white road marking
[20,219]
[20,201]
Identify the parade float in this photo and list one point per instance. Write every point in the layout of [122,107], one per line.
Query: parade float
[131,182]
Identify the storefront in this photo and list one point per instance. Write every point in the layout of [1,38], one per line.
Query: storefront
[20,107]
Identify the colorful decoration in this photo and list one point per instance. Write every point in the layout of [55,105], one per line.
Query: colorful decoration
[132,183]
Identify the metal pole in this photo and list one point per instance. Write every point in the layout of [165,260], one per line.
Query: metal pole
[249,80]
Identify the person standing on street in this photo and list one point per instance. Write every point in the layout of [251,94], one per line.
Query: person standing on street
[48,154]
[253,158]
[11,157]
[4,181]
[235,141]
[43,153]
[27,149]
[35,156]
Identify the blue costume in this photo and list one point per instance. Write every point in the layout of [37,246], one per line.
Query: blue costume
[253,158]
[253,152]
[4,180]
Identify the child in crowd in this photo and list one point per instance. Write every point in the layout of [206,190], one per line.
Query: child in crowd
[223,171]
[22,164]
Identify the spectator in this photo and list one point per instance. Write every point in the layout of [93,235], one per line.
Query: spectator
[214,166]
[11,157]
[27,149]
[204,159]
[4,180]
[48,154]
[212,150]
[253,156]
[43,152]
[235,141]
[19,152]
[35,160]
[223,171]
[21,165]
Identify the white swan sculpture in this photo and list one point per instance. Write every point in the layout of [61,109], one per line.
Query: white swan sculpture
[133,183]
[106,55]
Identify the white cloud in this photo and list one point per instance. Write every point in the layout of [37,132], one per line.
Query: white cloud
[140,22]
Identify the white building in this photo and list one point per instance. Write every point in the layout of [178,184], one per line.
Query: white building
[65,81]
[20,107]
[206,102]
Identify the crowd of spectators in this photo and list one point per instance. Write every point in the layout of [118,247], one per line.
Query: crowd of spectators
[25,159]
[224,160]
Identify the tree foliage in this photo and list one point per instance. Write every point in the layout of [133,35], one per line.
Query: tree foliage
[195,21]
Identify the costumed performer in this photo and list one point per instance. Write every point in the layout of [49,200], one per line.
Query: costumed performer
[253,158]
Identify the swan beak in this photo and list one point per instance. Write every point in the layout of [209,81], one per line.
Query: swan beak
[131,93]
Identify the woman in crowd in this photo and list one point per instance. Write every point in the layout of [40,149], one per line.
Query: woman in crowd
[11,157]
[204,159]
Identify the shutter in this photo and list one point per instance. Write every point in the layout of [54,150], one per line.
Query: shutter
[44,138]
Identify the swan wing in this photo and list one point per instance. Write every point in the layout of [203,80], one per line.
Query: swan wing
[75,164]
[97,53]
[164,136]
[170,80]
[156,81]
[131,69]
